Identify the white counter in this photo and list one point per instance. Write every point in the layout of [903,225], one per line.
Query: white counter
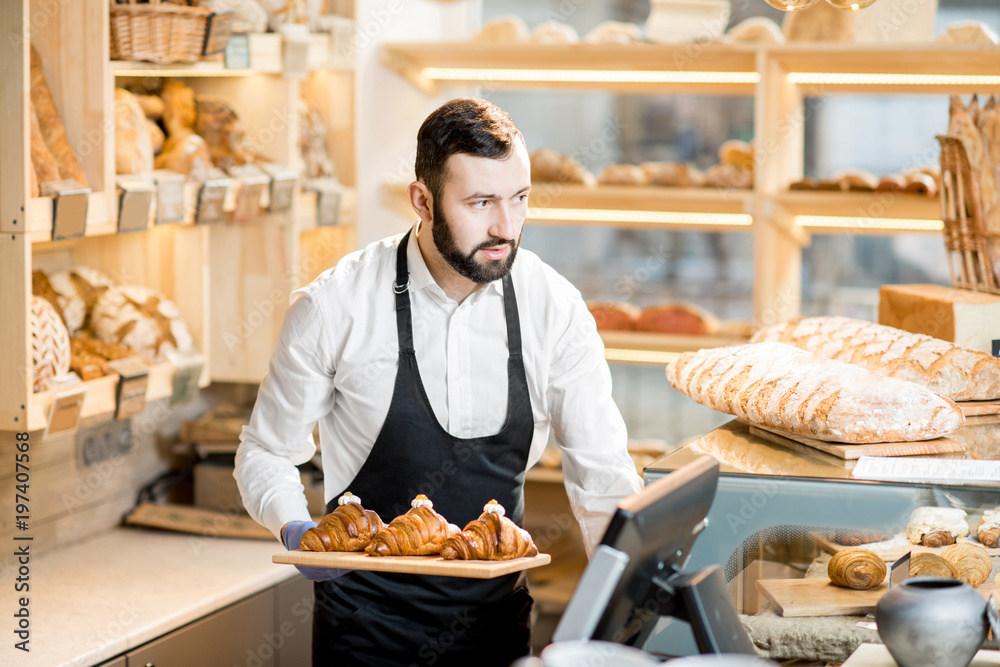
[94,600]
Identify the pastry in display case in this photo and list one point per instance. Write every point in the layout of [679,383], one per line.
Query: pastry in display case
[856,568]
[970,562]
[936,526]
[928,564]
[988,531]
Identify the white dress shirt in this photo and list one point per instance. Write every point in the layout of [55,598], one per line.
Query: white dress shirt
[335,363]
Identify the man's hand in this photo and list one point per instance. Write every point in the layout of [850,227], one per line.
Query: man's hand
[291,534]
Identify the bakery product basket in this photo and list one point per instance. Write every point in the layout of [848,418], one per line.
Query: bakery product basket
[159,32]
[973,249]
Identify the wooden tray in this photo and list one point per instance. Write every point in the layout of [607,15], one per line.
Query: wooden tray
[795,598]
[891,549]
[849,452]
[472,569]
[980,408]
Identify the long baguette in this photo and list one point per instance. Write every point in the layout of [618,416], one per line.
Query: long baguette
[783,387]
[957,372]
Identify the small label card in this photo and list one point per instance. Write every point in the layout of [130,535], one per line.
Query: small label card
[135,197]
[189,366]
[328,191]
[211,197]
[133,378]
[169,197]
[283,182]
[69,213]
[900,570]
[67,403]
[248,198]
[914,469]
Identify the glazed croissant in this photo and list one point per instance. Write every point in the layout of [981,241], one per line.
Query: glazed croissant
[855,568]
[490,537]
[930,565]
[350,527]
[419,532]
[989,528]
[971,562]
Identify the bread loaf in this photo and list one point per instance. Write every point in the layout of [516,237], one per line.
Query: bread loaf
[222,131]
[959,373]
[549,166]
[677,318]
[503,30]
[786,388]
[614,32]
[554,32]
[52,126]
[728,176]
[44,163]
[179,111]
[141,318]
[184,152]
[614,315]
[50,353]
[133,145]
[672,174]
[622,174]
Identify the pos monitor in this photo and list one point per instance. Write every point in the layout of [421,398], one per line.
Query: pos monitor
[637,573]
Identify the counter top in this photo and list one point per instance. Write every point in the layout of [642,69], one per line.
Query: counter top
[97,599]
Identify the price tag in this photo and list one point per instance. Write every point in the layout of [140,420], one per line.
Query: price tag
[188,368]
[169,198]
[133,378]
[282,192]
[248,198]
[67,404]
[69,213]
[996,347]
[134,201]
[211,197]
[217,33]
[328,192]
[238,51]
[900,570]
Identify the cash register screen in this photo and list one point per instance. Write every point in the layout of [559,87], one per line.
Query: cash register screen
[637,573]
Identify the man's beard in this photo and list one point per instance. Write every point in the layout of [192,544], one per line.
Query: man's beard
[466,264]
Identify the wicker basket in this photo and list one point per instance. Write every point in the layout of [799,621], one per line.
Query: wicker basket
[158,32]
[973,250]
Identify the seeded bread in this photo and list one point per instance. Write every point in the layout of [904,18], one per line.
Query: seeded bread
[959,373]
[786,388]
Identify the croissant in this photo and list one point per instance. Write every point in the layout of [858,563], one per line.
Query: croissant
[989,529]
[936,526]
[855,568]
[419,532]
[970,561]
[930,565]
[490,537]
[350,527]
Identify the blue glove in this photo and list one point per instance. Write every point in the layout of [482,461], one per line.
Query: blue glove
[291,537]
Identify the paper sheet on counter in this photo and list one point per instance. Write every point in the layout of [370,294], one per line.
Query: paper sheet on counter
[913,469]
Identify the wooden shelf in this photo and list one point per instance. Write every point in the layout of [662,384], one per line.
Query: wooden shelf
[100,220]
[637,68]
[654,349]
[101,395]
[874,213]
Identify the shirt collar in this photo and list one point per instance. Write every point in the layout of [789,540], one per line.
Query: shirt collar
[420,275]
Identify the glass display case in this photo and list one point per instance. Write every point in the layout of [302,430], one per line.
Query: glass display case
[781,509]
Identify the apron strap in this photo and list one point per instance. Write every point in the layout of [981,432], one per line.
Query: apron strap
[404,323]
[513,321]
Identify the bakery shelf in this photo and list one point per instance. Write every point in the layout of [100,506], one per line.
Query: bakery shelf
[874,213]
[624,206]
[635,68]
[101,399]
[818,69]
[656,349]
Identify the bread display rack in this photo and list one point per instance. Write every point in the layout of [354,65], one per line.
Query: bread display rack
[223,276]
[785,80]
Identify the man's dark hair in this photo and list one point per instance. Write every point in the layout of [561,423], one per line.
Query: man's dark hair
[464,125]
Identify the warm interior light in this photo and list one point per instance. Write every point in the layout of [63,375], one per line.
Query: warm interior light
[654,217]
[830,78]
[639,356]
[186,73]
[791,5]
[487,75]
[869,224]
[851,5]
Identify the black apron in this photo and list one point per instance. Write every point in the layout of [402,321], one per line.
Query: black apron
[374,618]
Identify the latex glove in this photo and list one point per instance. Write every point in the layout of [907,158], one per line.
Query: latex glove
[291,536]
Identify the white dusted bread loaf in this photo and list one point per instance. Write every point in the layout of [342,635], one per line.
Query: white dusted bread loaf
[141,318]
[777,385]
[959,373]
[50,354]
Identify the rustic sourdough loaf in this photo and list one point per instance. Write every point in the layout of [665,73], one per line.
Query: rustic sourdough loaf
[959,373]
[786,388]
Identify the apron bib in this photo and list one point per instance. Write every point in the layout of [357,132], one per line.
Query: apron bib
[376,618]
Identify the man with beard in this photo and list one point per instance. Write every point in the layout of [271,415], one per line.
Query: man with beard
[436,362]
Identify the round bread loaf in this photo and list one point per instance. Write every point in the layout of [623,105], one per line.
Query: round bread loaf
[73,292]
[549,166]
[141,318]
[622,174]
[677,318]
[672,174]
[614,315]
[50,352]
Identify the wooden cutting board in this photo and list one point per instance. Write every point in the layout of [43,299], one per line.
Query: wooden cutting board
[796,598]
[980,408]
[849,452]
[472,569]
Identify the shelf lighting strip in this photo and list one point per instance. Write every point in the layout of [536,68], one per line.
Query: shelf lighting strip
[585,76]
[869,224]
[186,73]
[834,79]
[655,217]
[639,356]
